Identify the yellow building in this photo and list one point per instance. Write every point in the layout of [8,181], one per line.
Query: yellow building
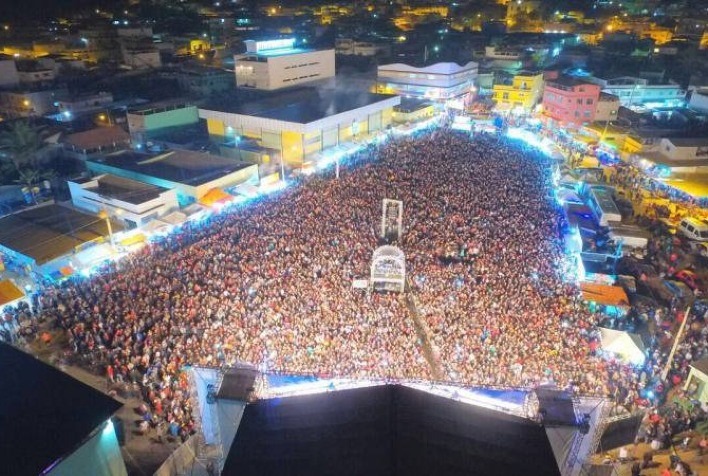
[704,41]
[521,95]
[422,11]
[300,125]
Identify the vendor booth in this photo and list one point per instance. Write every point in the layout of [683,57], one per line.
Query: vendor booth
[628,347]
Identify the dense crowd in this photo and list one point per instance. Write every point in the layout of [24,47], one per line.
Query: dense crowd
[271,283]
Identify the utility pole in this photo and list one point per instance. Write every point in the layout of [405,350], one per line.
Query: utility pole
[677,340]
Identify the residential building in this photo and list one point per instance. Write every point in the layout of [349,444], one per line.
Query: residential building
[204,82]
[72,105]
[132,202]
[191,174]
[141,57]
[9,77]
[680,155]
[151,122]
[301,124]
[35,73]
[521,94]
[607,107]
[634,91]
[29,102]
[440,82]
[351,47]
[276,64]
[570,101]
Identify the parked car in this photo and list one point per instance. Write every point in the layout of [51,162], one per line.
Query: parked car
[690,279]
[694,229]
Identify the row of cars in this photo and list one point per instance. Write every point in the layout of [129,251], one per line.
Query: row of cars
[614,242]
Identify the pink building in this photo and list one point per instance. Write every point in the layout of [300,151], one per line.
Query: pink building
[570,100]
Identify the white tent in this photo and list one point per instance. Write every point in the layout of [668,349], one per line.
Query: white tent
[628,347]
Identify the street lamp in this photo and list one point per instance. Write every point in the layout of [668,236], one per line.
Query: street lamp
[104,216]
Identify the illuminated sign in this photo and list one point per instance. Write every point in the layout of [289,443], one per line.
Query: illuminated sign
[275,44]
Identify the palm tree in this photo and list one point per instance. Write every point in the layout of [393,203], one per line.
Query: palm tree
[29,178]
[19,145]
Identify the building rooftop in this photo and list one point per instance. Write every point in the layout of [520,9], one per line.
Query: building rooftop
[303,106]
[689,141]
[45,413]
[568,82]
[436,68]
[178,165]
[126,190]
[158,107]
[97,137]
[48,232]
[412,104]
[661,159]
[608,97]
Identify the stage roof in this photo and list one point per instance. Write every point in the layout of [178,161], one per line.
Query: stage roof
[385,430]
[44,413]
[302,106]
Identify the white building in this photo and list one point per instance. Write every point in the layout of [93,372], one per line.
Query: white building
[147,57]
[9,78]
[439,82]
[72,105]
[135,203]
[699,100]
[276,64]
[680,155]
[638,92]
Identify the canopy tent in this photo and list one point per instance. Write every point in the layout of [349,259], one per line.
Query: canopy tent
[174,218]
[157,226]
[214,196]
[247,190]
[9,292]
[627,346]
[604,294]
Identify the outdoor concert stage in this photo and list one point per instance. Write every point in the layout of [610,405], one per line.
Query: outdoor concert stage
[292,425]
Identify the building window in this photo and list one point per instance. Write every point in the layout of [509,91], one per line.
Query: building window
[586,114]
[589,101]
[577,113]
[505,96]
[579,101]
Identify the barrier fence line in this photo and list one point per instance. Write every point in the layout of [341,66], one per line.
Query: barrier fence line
[423,333]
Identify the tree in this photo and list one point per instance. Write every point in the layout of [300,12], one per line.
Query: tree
[20,145]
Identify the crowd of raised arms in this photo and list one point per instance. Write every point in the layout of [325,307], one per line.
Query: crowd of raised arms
[271,283]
